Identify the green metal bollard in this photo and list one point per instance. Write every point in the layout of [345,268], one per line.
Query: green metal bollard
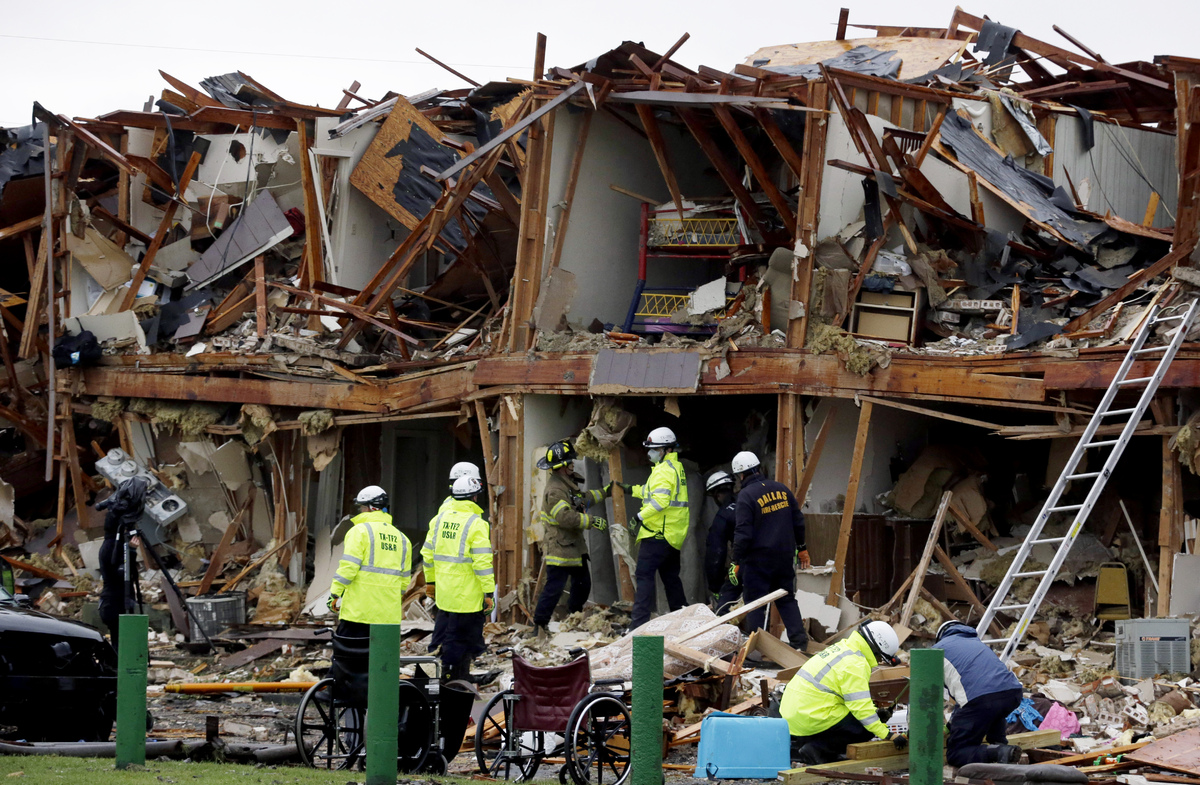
[133,659]
[926,722]
[383,704]
[647,715]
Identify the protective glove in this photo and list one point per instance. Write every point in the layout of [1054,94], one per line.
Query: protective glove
[733,574]
[899,740]
[431,591]
[488,604]
[598,523]
[607,490]
[627,487]
[334,603]
[802,558]
[635,523]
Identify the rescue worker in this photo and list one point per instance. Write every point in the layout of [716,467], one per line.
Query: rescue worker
[460,469]
[564,514]
[768,539]
[661,526]
[376,567]
[827,704]
[985,692]
[459,577]
[720,533]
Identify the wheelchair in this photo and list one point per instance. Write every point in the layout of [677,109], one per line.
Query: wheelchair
[330,722]
[556,712]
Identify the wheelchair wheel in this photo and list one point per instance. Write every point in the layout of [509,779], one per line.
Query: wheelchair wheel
[437,765]
[328,736]
[503,751]
[415,723]
[598,741]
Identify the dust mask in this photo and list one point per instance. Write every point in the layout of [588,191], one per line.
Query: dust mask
[656,455]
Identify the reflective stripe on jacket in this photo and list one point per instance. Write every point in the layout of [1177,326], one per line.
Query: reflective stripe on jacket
[458,557]
[375,570]
[564,544]
[833,682]
[664,498]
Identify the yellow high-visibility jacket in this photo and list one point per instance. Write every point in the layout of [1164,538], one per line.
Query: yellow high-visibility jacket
[665,502]
[458,557]
[375,570]
[832,682]
[565,545]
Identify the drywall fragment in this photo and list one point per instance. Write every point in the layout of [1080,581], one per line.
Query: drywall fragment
[554,302]
[230,462]
[101,258]
[119,328]
[323,447]
[709,297]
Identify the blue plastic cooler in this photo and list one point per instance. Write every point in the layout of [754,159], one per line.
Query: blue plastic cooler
[745,748]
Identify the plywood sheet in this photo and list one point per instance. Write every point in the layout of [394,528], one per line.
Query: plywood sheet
[1179,752]
[389,173]
[918,56]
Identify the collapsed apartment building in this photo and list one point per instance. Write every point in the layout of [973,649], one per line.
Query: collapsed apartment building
[894,266]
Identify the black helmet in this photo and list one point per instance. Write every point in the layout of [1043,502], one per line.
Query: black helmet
[558,454]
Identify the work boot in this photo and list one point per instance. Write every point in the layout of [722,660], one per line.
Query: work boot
[482,679]
[801,645]
[1004,753]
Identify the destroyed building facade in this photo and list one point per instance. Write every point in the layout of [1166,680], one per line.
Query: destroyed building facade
[892,266]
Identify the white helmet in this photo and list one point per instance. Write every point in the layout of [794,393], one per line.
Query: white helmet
[660,438]
[883,641]
[372,496]
[464,469]
[465,487]
[716,480]
[744,461]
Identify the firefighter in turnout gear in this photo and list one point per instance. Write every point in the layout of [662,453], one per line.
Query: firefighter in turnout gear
[565,517]
[828,705]
[661,526]
[720,533]
[768,539]
[459,576]
[460,469]
[376,566]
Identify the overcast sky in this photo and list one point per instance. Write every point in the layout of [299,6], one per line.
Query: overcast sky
[83,58]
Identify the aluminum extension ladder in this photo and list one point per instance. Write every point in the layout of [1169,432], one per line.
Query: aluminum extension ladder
[1001,601]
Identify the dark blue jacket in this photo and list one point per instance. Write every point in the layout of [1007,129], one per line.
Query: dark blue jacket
[769,524]
[971,668]
[716,553]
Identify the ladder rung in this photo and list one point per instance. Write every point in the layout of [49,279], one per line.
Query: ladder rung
[1149,349]
[996,640]
[1112,412]
[1012,607]
[1139,380]
[1167,319]
[1048,539]
[1084,476]
[1030,574]
[1090,445]
[1067,508]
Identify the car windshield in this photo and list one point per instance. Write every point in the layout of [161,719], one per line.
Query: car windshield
[5,597]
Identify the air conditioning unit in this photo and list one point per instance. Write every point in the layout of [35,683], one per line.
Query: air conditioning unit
[1148,647]
[162,506]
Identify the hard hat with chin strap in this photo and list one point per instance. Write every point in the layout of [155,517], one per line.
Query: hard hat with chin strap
[660,438]
[557,455]
[464,469]
[883,641]
[465,487]
[717,480]
[743,462]
[372,496]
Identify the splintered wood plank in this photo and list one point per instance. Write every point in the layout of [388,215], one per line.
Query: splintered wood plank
[810,465]
[260,296]
[746,150]
[314,270]
[164,228]
[564,221]
[1179,752]
[926,555]
[721,164]
[616,475]
[843,543]
[659,145]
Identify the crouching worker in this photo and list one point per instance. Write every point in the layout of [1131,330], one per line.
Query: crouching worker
[828,703]
[985,692]
[376,566]
[459,577]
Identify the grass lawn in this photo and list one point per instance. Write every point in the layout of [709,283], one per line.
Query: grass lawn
[96,771]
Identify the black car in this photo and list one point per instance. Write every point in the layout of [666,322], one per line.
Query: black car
[58,678]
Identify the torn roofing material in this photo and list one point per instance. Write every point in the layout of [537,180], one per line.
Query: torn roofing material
[1031,193]
[860,60]
[20,153]
[615,372]
[259,226]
